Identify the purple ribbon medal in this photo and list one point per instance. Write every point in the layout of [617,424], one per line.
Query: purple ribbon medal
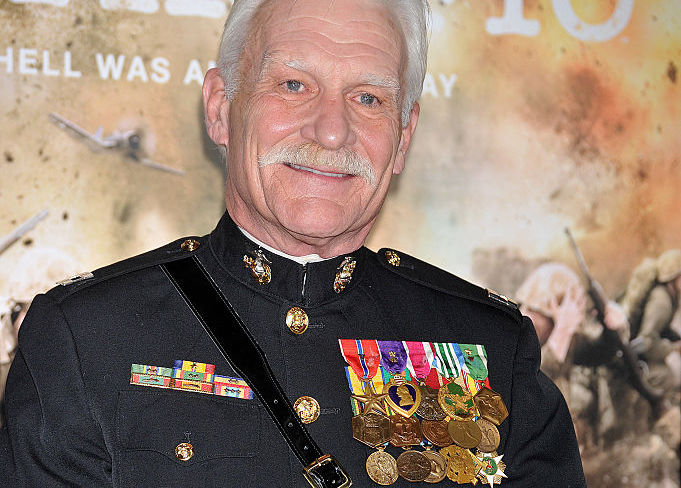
[403,396]
[393,356]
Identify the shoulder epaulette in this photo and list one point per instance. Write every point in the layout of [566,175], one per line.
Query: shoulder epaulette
[431,276]
[170,252]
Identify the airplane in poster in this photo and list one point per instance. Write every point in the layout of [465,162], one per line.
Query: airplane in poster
[129,142]
[22,230]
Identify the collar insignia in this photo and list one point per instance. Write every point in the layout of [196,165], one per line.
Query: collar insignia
[344,274]
[259,265]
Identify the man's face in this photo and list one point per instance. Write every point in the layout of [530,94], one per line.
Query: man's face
[326,75]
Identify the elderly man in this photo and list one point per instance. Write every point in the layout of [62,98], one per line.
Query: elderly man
[279,349]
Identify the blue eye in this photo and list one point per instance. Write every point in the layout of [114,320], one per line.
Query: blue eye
[367,99]
[294,86]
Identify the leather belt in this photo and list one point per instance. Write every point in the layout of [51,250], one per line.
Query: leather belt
[237,345]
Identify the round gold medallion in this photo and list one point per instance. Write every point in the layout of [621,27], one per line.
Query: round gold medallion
[297,320]
[456,401]
[436,432]
[413,466]
[307,409]
[438,466]
[382,468]
[490,436]
[466,433]
[184,451]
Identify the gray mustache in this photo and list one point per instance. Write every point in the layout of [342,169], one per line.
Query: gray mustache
[314,156]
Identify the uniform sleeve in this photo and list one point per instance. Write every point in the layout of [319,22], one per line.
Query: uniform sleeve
[50,437]
[542,447]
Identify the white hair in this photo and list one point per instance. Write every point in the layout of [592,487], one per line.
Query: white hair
[413,17]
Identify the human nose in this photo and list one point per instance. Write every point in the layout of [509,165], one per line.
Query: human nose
[329,124]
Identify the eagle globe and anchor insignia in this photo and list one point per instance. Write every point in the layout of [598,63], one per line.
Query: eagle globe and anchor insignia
[259,265]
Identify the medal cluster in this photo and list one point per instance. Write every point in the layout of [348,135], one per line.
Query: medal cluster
[434,401]
[458,432]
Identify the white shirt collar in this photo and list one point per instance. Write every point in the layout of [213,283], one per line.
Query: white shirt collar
[309,258]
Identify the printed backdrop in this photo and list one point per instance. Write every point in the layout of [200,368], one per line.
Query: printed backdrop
[536,115]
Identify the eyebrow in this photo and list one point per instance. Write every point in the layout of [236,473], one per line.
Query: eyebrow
[374,79]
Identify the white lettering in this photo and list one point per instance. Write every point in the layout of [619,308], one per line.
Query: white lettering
[159,70]
[201,8]
[448,83]
[429,86]
[137,69]
[27,61]
[211,64]
[8,59]
[112,67]
[193,73]
[47,71]
[144,6]
[56,3]
[68,71]
[512,22]
[593,32]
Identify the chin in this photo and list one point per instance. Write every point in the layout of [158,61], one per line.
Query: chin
[315,219]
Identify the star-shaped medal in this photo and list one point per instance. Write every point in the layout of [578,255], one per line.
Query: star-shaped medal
[372,401]
[492,470]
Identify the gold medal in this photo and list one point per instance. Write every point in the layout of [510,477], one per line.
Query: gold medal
[413,466]
[456,401]
[429,407]
[371,400]
[460,465]
[490,436]
[406,431]
[403,396]
[490,405]
[438,466]
[436,432]
[372,429]
[465,433]
[382,468]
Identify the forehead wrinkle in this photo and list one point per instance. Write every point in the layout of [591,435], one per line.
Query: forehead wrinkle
[354,44]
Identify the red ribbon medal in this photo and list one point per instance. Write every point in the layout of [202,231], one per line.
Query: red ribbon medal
[362,356]
[420,360]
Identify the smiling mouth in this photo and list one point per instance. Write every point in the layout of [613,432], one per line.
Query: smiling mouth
[316,171]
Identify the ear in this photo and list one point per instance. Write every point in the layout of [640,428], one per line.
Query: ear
[405,140]
[216,107]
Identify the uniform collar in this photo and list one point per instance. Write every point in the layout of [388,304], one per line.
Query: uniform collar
[303,284]
[309,258]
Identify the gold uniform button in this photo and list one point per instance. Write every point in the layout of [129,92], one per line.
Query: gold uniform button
[297,320]
[184,451]
[307,409]
[190,245]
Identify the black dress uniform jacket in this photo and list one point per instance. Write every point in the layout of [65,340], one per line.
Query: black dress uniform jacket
[74,419]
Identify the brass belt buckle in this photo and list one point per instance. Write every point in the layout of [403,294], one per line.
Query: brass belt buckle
[325,472]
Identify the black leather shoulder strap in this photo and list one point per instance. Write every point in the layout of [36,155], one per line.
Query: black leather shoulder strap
[237,345]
